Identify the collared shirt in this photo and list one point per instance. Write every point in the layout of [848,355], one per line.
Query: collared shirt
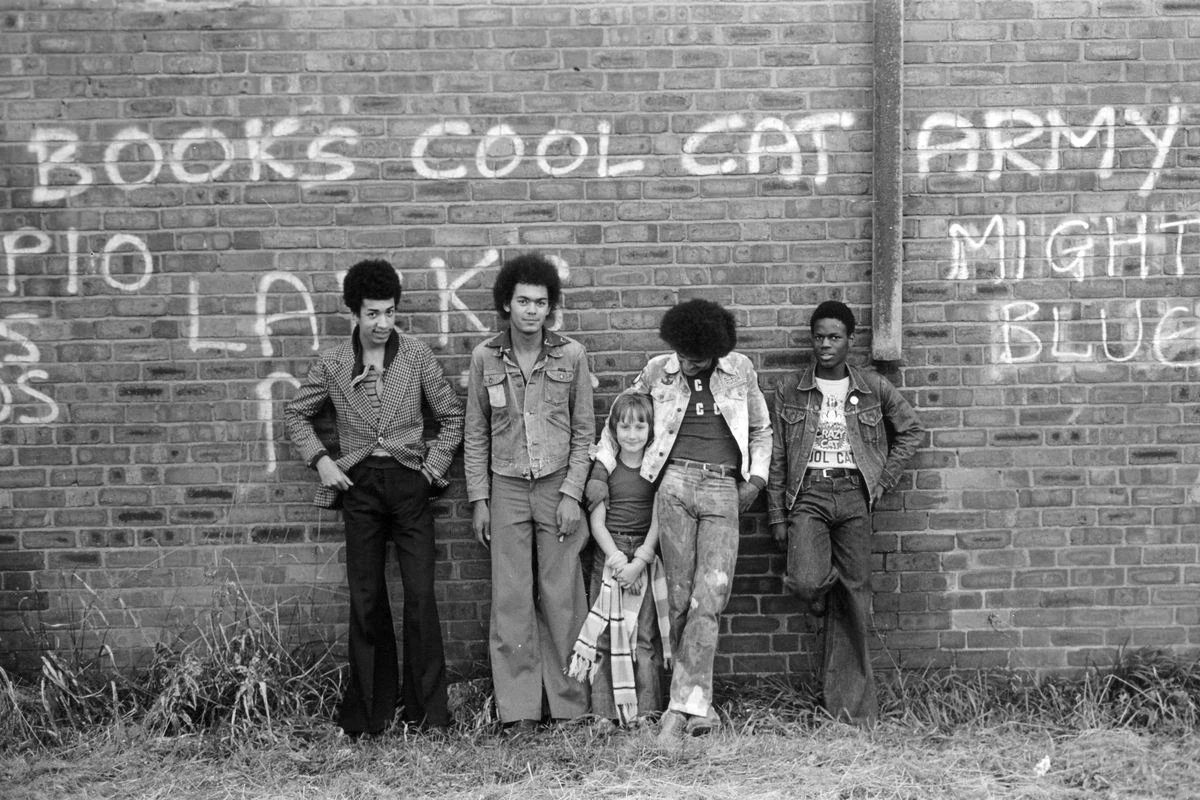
[734,388]
[873,408]
[412,376]
[528,428]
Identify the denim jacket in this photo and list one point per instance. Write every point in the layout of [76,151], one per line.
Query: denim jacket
[528,430]
[735,391]
[875,410]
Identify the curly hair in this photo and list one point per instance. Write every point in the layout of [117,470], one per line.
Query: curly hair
[631,406]
[372,279]
[532,268]
[699,329]
[833,309]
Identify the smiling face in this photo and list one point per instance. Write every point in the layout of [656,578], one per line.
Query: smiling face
[528,309]
[376,320]
[831,345]
[633,432]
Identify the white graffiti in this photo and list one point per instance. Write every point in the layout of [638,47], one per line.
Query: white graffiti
[201,154]
[32,242]
[1078,250]
[1015,138]
[262,319]
[1078,247]
[714,149]
[787,148]
[1026,327]
[20,361]
[264,392]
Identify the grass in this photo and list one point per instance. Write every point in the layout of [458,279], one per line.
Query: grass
[235,709]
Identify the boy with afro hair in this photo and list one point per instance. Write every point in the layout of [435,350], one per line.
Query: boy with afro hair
[711,450]
[529,425]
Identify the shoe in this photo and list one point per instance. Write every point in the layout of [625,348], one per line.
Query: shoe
[604,727]
[565,724]
[671,727]
[521,728]
[698,726]
[642,722]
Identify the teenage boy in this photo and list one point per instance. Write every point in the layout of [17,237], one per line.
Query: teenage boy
[528,428]
[831,462]
[377,381]
[712,449]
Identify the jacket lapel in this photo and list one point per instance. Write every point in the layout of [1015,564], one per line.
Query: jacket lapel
[343,373]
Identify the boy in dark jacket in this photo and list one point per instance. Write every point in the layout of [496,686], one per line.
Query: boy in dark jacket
[831,462]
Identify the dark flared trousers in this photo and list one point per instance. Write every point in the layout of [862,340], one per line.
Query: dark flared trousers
[391,502]
[829,561]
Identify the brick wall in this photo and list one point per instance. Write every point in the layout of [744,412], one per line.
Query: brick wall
[183,183]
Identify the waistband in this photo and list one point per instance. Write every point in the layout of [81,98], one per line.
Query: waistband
[724,470]
[380,462]
[829,474]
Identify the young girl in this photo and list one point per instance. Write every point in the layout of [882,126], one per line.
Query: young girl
[621,645]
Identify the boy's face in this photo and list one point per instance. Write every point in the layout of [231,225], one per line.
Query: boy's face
[689,365]
[376,320]
[528,309]
[831,345]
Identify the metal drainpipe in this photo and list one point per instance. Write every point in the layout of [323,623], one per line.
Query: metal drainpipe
[887,238]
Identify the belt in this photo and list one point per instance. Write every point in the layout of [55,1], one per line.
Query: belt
[724,470]
[830,473]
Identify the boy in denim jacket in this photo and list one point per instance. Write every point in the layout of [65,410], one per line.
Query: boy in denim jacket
[529,425]
[831,462]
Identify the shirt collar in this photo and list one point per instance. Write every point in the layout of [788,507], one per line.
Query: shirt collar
[389,352]
[724,364]
[808,379]
[503,340]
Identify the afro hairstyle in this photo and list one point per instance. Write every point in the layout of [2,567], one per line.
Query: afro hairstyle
[532,268]
[833,309]
[372,279]
[699,329]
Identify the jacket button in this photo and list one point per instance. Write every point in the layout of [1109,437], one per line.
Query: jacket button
[379,440]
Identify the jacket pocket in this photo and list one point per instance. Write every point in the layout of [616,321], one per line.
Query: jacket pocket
[870,424]
[494,382]
[793,415]
[558,386]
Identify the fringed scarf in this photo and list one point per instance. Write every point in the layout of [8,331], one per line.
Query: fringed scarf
[617,610]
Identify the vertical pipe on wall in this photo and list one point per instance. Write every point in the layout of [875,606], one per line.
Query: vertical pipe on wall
[887,245]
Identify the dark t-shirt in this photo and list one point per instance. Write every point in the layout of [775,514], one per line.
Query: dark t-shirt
[630,501]
[703,434]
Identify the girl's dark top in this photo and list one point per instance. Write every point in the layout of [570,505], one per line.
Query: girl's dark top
[630,501]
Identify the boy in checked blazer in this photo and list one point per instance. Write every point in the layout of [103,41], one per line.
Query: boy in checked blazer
[377,381]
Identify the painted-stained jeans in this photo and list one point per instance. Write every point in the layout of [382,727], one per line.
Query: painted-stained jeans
[698,535]
[829,559]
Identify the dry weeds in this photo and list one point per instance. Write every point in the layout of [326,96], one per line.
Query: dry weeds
[237,711]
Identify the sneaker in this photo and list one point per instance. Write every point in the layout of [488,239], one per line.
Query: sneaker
[698,726]
[671,727]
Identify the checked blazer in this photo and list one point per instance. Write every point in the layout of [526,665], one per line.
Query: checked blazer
[411,375]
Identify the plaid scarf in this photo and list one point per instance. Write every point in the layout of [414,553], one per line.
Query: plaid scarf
[610,611]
